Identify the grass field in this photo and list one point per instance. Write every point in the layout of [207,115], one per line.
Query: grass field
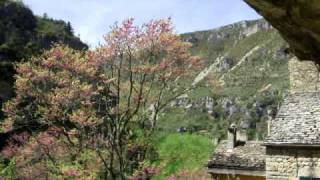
[182,152]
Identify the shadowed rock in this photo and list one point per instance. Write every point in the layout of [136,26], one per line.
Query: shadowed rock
[297,21]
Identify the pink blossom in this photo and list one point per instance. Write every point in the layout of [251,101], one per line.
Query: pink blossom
[9,150]
[72,173]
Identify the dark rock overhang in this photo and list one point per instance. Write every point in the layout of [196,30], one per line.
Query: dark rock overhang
[297,21]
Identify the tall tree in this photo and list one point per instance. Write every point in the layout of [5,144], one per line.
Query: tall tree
[102,96]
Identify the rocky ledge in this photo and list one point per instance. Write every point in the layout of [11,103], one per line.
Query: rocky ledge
[297,21]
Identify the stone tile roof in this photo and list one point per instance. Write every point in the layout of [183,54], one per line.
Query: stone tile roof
[250,156]
[297,122]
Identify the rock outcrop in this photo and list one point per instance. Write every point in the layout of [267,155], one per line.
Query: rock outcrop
[297,21]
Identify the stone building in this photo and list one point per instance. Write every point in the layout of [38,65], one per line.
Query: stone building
[293,146]
[237,158]
[291,151]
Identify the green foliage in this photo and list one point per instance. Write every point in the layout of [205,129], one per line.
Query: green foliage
[182,152]
[8,171]
[200,92]
[194,120]
[50,30]
[23,35]
[17,27]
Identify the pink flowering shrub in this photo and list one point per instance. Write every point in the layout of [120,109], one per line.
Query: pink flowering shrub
[72,101]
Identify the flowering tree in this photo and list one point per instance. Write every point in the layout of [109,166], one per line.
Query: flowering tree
[97,99]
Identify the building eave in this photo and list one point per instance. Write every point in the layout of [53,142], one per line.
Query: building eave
[280,144]
[237,172]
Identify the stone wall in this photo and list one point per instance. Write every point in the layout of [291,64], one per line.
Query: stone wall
[304,76]
[292,163]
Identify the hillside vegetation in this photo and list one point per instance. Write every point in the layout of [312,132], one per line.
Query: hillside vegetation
[22,35]
[245,77]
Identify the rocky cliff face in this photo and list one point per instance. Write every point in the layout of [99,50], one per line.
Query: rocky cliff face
[245,74]
[297,21]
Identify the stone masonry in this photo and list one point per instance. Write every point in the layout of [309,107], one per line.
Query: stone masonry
[304,76]
[285,163]
[293,146]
